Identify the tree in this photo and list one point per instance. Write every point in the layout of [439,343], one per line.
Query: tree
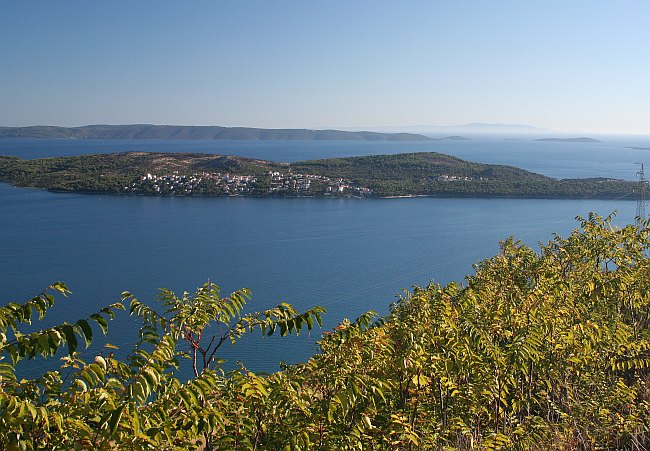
[138,403]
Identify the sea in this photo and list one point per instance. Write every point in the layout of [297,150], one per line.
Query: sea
[346,255]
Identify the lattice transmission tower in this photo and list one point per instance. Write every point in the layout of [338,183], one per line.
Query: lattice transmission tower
[640,203]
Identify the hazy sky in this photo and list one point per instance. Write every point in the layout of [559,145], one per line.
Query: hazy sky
[566,65]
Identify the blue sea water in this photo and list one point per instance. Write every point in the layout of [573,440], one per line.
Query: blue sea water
[348,255]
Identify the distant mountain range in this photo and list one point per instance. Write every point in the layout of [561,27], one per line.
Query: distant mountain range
[146,131]
[474,127]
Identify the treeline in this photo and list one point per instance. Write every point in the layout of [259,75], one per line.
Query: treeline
[549,188]
[421,173]
[86,174]
[547,350]
[416,166]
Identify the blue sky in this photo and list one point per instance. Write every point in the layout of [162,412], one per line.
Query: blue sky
[567,65]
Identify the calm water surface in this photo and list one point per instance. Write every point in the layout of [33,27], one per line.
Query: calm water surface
[348,255]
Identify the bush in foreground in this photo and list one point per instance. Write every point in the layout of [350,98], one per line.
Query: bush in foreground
[536,351]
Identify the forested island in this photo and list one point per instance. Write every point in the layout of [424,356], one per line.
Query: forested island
[190,174]
[150,131]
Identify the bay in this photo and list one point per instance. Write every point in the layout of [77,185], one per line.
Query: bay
[348,255]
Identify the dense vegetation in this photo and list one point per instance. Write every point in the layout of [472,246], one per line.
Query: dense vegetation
[547,350]
[148,131]
[419,174]
[426,173]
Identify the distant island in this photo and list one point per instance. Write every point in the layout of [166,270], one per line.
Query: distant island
[190,174]
[570,140]
[147,131]
[453,138]
[638,148]
[474,127]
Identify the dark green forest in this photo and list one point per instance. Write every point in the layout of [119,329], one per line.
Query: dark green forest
[539,350]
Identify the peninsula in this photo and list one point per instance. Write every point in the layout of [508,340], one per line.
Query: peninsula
[148,131]
[190,174]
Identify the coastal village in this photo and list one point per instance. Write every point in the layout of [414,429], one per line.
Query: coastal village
[456,178]
[272,183]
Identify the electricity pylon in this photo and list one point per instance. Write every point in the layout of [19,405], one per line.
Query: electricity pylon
[640,203]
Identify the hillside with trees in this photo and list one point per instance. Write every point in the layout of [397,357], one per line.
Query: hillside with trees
[536,350]
[150,131]
[189,174]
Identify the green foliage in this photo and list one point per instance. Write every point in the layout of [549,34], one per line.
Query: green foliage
[538,350]
[137,403]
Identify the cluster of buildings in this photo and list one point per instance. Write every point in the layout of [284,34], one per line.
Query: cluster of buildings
[272,184]
[310,184]
[292,182]
[197,183]
[455,178]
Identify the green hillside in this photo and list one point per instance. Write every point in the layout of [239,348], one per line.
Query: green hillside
[149,131]
[186,174]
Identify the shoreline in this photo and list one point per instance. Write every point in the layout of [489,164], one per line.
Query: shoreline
[399,176]
[406,196]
